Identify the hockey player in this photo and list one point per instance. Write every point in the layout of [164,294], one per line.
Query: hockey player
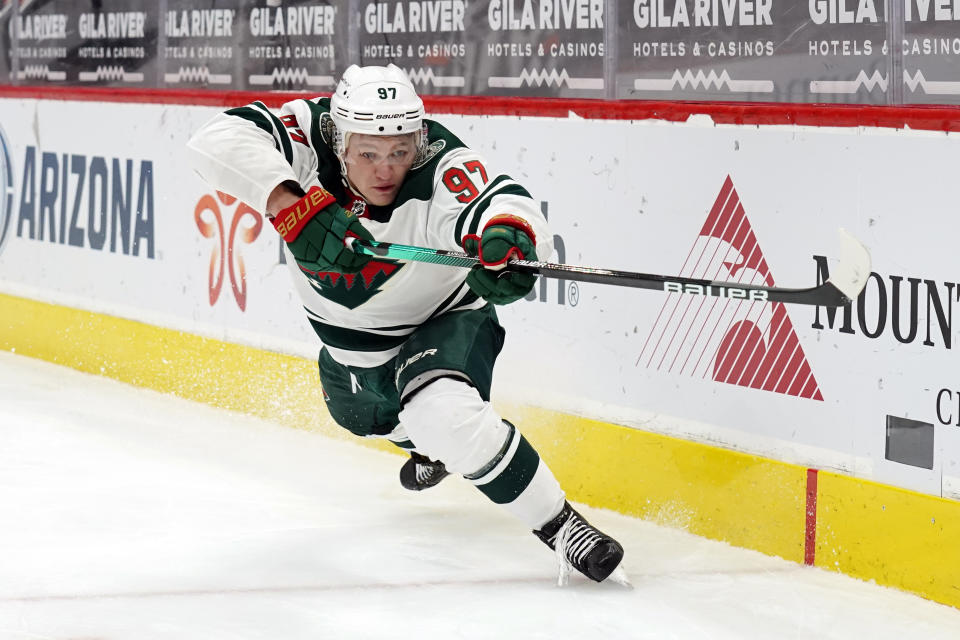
[408,348]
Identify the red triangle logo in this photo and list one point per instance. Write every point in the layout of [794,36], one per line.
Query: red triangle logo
[742,342]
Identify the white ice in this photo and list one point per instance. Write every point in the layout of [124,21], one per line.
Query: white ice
[129,514]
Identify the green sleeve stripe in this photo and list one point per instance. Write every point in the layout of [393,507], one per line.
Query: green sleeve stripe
[513,189]
[256,117]
[480,209]
[281,132]
[355,339]
[458,230]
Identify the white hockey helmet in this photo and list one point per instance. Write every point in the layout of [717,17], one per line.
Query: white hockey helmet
[377,101]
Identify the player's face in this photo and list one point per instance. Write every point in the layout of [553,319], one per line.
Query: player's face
[377,165]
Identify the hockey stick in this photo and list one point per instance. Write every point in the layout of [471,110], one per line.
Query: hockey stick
[842,287]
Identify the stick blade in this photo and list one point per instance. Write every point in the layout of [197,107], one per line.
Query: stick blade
[850,275]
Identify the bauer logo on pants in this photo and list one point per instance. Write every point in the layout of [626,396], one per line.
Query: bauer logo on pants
[732,339]
[414,358]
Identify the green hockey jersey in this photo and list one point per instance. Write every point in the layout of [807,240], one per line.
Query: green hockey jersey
[450,191]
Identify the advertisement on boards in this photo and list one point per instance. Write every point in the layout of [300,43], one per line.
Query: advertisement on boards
[108,42]
[931,53]
[495,47]
[294,45]
[545,47]
[823,51]
[828,51]
[430,40]
[120,225]
[8,41]
[202,44]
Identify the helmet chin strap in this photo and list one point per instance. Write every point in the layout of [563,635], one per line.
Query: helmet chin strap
[352,189]
[343,166]
[340,150]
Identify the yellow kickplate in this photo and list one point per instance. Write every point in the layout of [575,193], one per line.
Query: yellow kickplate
[895,537]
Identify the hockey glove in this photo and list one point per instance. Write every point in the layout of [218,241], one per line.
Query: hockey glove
[315,227]
[504,237]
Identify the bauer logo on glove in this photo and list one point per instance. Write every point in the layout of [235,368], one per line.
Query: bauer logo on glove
[315,228]
[289,222]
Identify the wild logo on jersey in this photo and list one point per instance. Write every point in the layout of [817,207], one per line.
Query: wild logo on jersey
[353,289]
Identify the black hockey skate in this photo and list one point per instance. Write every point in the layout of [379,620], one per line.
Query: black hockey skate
[586,548]
[420,472]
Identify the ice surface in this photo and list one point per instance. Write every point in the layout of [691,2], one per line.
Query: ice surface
[128,514]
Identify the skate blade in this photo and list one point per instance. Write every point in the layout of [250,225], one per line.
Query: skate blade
[619,576]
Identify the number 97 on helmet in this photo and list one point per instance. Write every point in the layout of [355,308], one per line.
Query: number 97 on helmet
[377,101]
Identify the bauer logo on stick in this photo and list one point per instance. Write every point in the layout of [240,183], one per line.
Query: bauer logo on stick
[714,290]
